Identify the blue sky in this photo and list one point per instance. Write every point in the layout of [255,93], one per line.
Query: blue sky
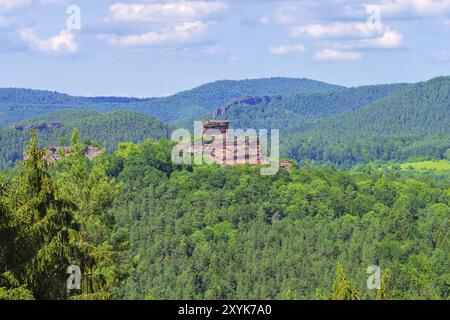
[157,47]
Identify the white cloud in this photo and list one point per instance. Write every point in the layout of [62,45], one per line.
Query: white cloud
[287,49]
[180,33]
[212,51]
[336,30]
[338,55]
[63,43]
[7,5]
[50,2]
[172,11]
[391,39]
[289,12]
[414,8]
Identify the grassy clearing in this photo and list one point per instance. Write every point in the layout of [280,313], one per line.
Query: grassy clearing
[442,165]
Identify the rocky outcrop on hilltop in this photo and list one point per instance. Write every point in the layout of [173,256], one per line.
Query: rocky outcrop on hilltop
[55,154]
[245,101]
[39,127]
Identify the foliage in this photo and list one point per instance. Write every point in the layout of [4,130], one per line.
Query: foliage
[52,218]
[209,232]
[342,289]
[93,128]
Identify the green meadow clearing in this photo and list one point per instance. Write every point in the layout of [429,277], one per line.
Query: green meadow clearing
[443,165]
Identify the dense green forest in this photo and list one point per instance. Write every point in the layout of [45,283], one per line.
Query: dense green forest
[414,122]
[370,186]
[287,112]
[357,125]
[105,129]
[51,218]
[21,104]
[343,126]
[143,228]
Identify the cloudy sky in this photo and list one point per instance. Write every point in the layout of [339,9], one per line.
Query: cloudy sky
[157,47]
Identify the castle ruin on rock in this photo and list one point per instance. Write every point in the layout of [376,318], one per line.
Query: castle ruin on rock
[227,149]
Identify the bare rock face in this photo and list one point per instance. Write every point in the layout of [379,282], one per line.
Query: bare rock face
[55,154]
[245,101]
[92,152]
[40,127]
[286,165]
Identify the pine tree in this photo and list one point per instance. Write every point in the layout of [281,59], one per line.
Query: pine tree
[44,241]
[86,183]
[75,139]
[382,294]
[342,289]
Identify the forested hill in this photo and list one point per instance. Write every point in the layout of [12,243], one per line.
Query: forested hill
[420,109]
[30,96]
[289,111]
[20,104]
[193,103]
[105,129]
[414,122]
[319,122]
[354,125]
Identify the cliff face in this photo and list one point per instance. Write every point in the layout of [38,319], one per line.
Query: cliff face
[40,126]
[246,101]
[55,154]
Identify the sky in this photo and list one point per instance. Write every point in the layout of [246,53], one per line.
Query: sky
[160,47]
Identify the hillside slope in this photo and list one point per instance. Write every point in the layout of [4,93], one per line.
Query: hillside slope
[106,129]
[414,122]
[285,112]
[21,104]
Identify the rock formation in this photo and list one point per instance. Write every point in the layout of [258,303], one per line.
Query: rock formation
[55,154]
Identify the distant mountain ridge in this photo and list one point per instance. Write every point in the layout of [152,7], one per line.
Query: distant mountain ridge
[21,104]
[318,122]
[33,96]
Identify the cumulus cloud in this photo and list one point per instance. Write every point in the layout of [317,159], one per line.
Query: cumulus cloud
[172,11]
[211,51]
[168,23]
[63,43]
[288,12]
[413,8]
[180,33]
[337,55]
[391,39]
[336,30]
[287,49]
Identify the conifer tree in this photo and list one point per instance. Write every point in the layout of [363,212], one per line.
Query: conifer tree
[44,241]
[342,289]
[85,183]
[382,294]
